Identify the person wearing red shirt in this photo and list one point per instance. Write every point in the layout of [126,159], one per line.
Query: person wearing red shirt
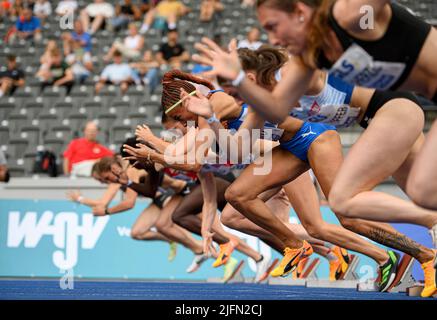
[81,153]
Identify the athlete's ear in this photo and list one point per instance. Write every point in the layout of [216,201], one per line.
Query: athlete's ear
[251,76]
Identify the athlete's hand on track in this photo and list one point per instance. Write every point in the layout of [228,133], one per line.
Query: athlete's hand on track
[225,64]
[143,132]
[208,247]
[198,104]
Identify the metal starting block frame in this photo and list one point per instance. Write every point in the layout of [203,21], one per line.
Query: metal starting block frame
[348,280]
[236,277]
[309,273]
[404,278]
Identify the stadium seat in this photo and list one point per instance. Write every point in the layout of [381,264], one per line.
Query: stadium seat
[17,147]
[17,121]
[6,108]
[32,134]
[55,145]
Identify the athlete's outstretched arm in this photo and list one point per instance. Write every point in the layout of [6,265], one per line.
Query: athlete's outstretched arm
[106,198]
[272,106]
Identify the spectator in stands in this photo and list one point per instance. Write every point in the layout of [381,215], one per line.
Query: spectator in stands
[252,40]
[82,153]
[166,12]
[96,15]
[148,70]
[66,6]
[172,53]
[80,62]
[125,13]
[5,9]
[77,37]
[146,5]
[11,78]
[4,172]
[42,9]
[27,27]
[247,3]
[56,72]
[51,47]
[209,9]
[118,73]
[131,46]
[17,7]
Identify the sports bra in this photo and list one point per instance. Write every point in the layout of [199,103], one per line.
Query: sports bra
[382,64]
[331,106]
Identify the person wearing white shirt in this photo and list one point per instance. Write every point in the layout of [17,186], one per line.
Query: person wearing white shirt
[66,7]
[130,47]
[118,73]
[252,40]
[42,9]
[95,14]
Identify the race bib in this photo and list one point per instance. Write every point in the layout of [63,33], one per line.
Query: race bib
[356,66]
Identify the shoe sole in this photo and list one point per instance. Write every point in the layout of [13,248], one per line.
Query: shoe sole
[234,273]
[267,273]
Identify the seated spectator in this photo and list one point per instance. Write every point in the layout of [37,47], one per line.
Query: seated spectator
[252,40]
[42,9]
[80,62]
[79,36]
[51,47]
[166,12]
[95,14]
[148,70]
[248,3]
[56,72]
[5,9]
[66,6]
[146,5]
[12,78]
[4,172]
[27,27]
[17,8]
[125,13]
[209,9]
[118,73]
[82,153]
[131,46]
[172,53]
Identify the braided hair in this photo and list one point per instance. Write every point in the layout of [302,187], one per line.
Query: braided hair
[175,80]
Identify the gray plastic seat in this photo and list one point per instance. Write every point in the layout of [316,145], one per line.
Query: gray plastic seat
[32,134]
[17,121]
[17,147]
[55,145]
[6,108]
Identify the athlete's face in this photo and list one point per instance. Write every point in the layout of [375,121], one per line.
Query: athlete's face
[109,177]
[182,115]
[286,29]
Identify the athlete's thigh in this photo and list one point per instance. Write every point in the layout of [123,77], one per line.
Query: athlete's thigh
[285,168]
[191,204]
[326,157]
[378,152]
[147,218]
[169,208]
[401,175]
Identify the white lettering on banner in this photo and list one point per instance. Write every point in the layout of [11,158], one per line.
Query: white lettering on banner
[358,67]
[123,231]
[65,229]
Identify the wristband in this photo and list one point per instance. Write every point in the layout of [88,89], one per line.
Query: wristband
[80,199]
[106,212]
[239,79]
[213,119]
[129,183]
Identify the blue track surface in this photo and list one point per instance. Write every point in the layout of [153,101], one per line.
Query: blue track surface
[131,290]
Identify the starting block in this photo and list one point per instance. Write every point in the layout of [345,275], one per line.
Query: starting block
[348,280]
[308,273]
[416,290]
[266,276]
[404,278]
[236,277]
